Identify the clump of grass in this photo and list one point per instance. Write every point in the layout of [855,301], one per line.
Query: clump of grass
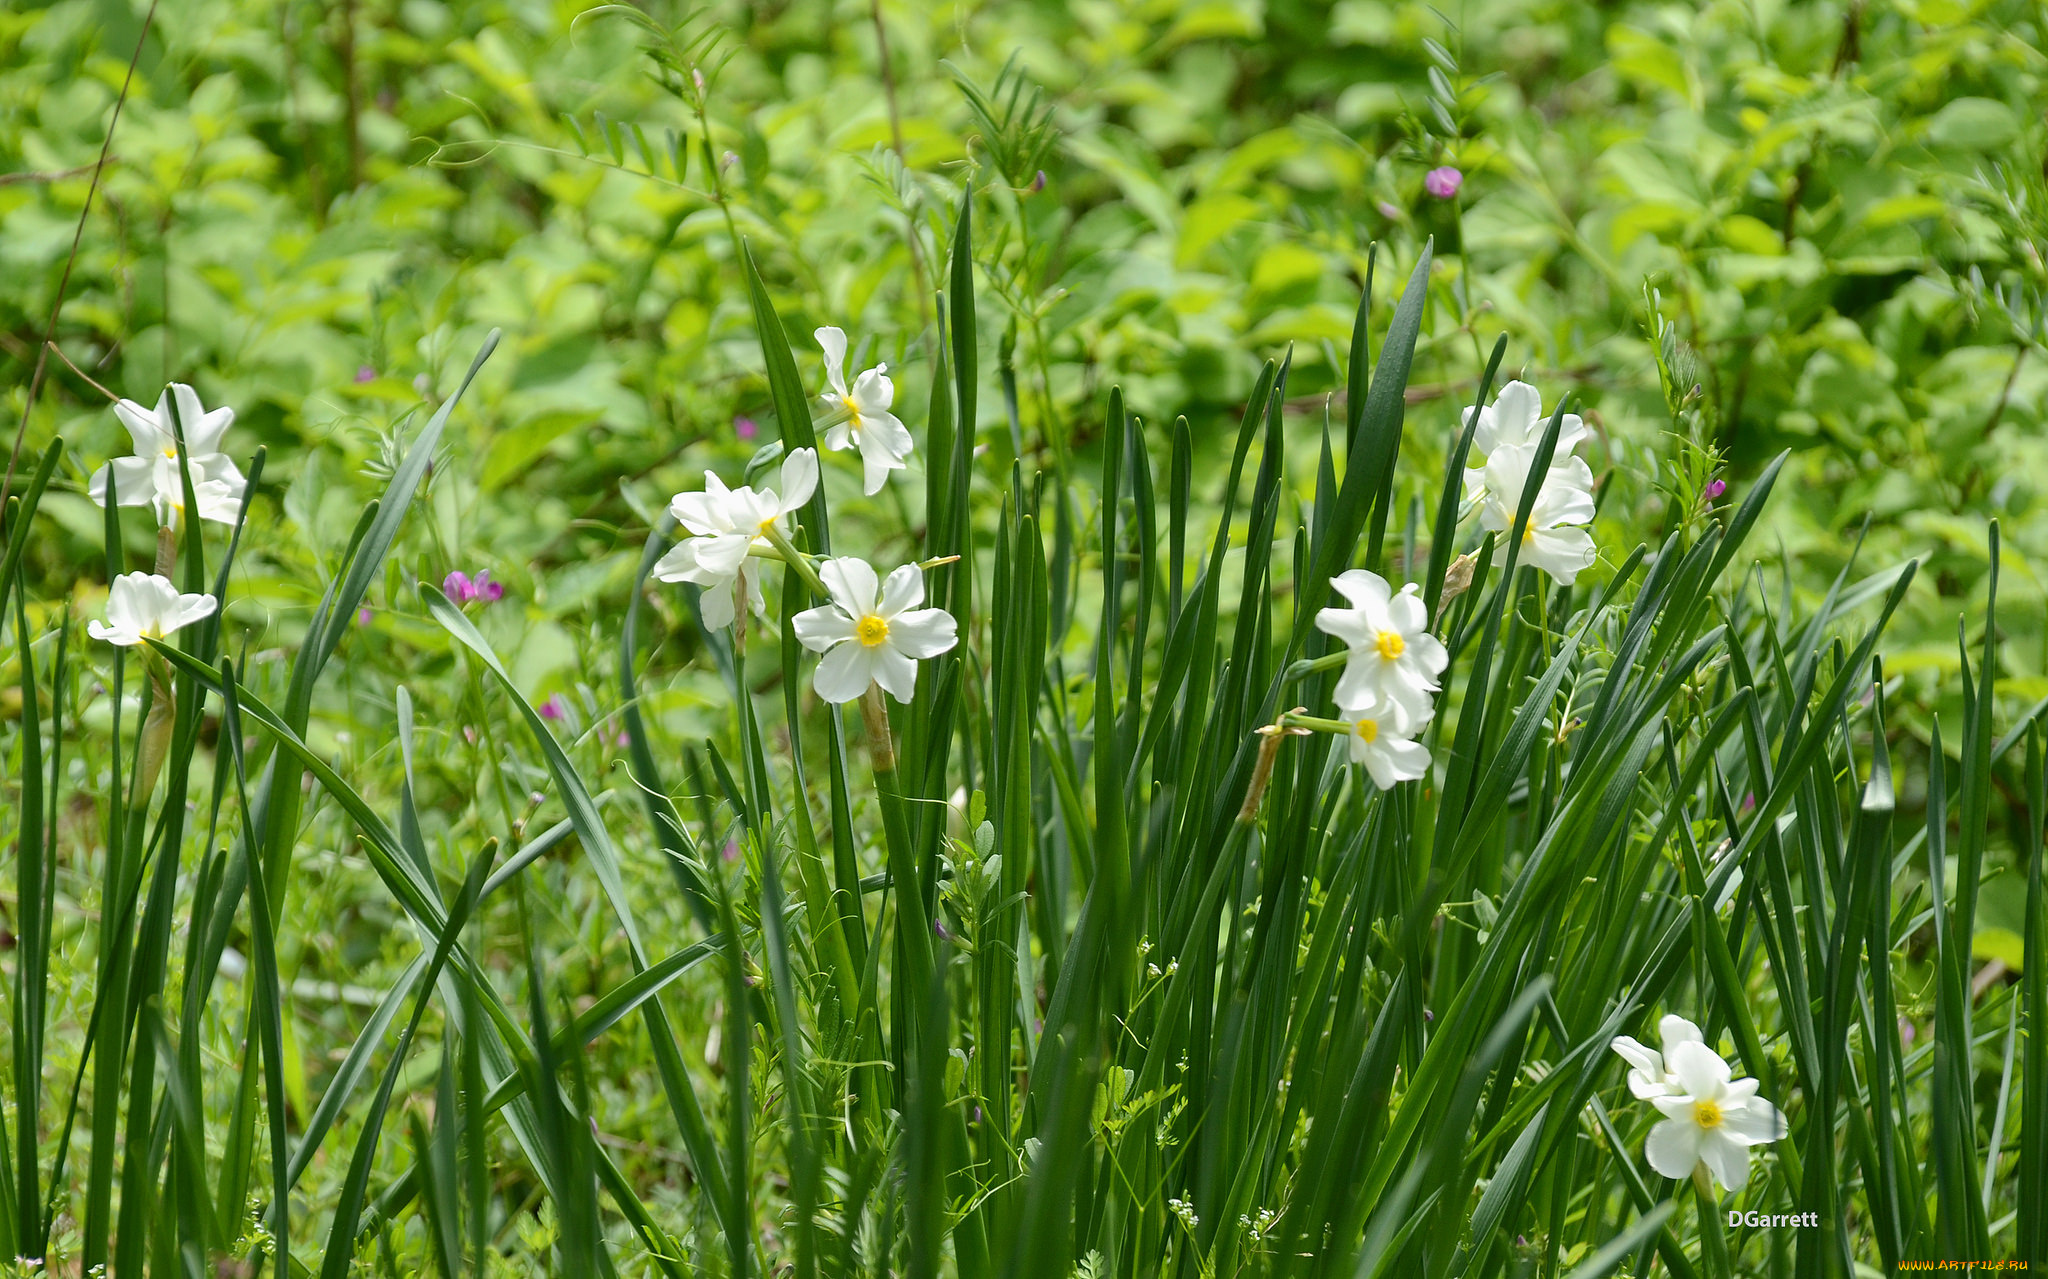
[1095,956]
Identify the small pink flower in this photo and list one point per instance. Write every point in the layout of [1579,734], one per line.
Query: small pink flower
[554,707]
[745,428]
[461,588]
[1443,183]
[1716,489]
[366,374]
[1389,210]
[363,615]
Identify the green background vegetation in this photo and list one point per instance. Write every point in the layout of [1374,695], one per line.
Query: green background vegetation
[314,213]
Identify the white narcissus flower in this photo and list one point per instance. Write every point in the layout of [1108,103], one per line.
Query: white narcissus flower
[860,416]
[725,525]
[1507,435]
[1710,1120]
[1554,540]
[1393,655]
[151,477]
[1382,738]
[144,606]
[872,632]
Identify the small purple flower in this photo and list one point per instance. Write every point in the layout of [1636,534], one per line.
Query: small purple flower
[554,707]
[1389,210]
[745,428]
[365,373]
[1038,183]
[1443,183]
[363,615]
[1716,489]
[461,588]
[939,931]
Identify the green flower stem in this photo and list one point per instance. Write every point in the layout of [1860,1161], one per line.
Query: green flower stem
[1314,723]
[1308,666]
[805,567]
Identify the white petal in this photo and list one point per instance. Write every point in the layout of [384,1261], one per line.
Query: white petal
[924,632]
[1674,1030]
[149,438]
[1428,655]
[1563,553]
[1645,1086]
[192,608]
[1698,1069]
[818,629]
[1406,760]
[112,634]
[715,603]
[1347,624]
[1726,1158]
[904,589]
[1674,1147]
[721,556]
[894,671]
[876,463]
[839,436]
[1363,681]
[134,481]
[1362,588]
[844,673]
[1507,474]
[1406,612]
[873,392]
[833,341]
[851,583]
[1639,1055]
[1378,766]
[679,563]
[799,479]
[1752,1122]
[701,513]
[889,429]
[1570,434]
[202,430]
[1673,1104]
[1517,418]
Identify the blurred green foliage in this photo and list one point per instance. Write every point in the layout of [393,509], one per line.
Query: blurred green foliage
[312,211]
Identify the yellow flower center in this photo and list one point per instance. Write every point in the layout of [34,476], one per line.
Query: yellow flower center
[871,630]
[1390,644]
[1707,1114]
[1368,729]
[852,409]
[1528,535]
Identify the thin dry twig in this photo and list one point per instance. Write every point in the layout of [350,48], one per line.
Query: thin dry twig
[57,175]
